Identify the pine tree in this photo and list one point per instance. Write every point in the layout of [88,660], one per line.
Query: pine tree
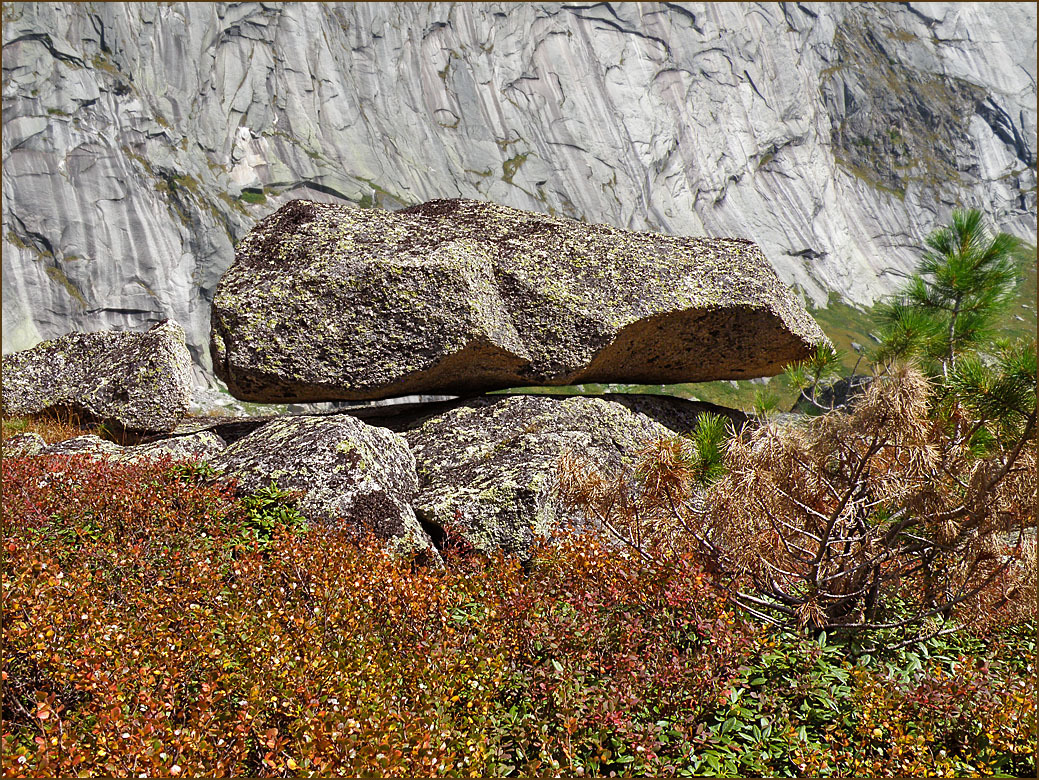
[819,372]
[949,307]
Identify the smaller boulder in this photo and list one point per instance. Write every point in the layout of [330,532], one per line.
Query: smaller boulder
[681,415]
[88,444]
[136,382]
[346,473]
[488,469]
[23,445]
[202,446]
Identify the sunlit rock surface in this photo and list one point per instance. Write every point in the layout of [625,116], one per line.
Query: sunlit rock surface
[328,303]
[142,141]
[138,382]
[341,472]
[488,469]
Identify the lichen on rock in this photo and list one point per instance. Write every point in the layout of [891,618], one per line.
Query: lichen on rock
[23,445]
[344,473]
[138,382]
[487,469]
[326,302]
[199,447]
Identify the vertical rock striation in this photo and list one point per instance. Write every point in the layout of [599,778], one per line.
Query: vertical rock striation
[142,141]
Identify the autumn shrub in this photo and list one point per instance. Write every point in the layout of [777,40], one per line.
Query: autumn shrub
[892,546]
[148,631]
[839,522]
[920,491]
[832,521]
[156,622]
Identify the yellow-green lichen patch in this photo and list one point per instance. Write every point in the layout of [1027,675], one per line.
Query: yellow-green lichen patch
[464,296]
[511,166]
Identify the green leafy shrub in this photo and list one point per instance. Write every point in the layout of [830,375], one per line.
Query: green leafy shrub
[266,511]
[951,706]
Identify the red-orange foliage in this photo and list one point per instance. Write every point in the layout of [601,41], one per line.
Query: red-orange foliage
[143,636]
[148,631]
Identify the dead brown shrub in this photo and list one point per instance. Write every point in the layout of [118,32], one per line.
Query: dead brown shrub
[879,517]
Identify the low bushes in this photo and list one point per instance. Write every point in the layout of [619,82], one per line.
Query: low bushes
[953,707]
[150,630]
[903,512]
[156,623]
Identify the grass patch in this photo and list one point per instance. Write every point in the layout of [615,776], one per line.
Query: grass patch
[55,426]
[254,196]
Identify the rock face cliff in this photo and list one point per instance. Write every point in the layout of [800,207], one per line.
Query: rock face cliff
[141,141]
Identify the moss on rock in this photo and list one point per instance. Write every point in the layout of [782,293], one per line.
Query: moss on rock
[344,472]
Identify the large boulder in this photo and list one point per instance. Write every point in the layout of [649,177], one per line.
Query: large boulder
[346,473]
[137,382]
[329,302]
[487,469]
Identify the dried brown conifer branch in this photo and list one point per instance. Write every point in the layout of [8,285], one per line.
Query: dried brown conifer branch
[878,517]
